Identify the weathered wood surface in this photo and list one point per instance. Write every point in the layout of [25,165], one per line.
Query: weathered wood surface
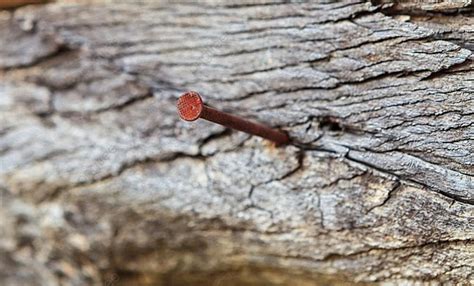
[102,183]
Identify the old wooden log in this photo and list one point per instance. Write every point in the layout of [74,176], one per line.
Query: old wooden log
[102,183]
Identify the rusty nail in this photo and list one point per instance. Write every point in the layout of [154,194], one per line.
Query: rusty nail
[191,107]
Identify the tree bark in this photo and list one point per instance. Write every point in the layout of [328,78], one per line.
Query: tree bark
[101,183]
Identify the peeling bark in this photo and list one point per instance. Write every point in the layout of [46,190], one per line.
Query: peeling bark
[101,183]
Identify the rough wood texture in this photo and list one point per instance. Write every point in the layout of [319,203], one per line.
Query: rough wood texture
[102,183]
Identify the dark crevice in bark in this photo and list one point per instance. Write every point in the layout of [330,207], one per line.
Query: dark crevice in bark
[60,50]
[56,192]
[421,8]
[448,70]
[413,181]
[390,194]
[415,247]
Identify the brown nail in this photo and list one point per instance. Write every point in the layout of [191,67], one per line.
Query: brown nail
[191,107]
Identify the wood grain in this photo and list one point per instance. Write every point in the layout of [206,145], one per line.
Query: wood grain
[102,183]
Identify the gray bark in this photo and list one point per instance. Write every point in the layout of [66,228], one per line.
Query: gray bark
[101,183]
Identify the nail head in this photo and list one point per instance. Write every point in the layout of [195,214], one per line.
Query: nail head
[190,106]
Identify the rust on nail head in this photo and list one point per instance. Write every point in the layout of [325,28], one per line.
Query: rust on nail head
[191,107]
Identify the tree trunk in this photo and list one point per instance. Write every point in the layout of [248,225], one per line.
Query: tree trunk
[102,183]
